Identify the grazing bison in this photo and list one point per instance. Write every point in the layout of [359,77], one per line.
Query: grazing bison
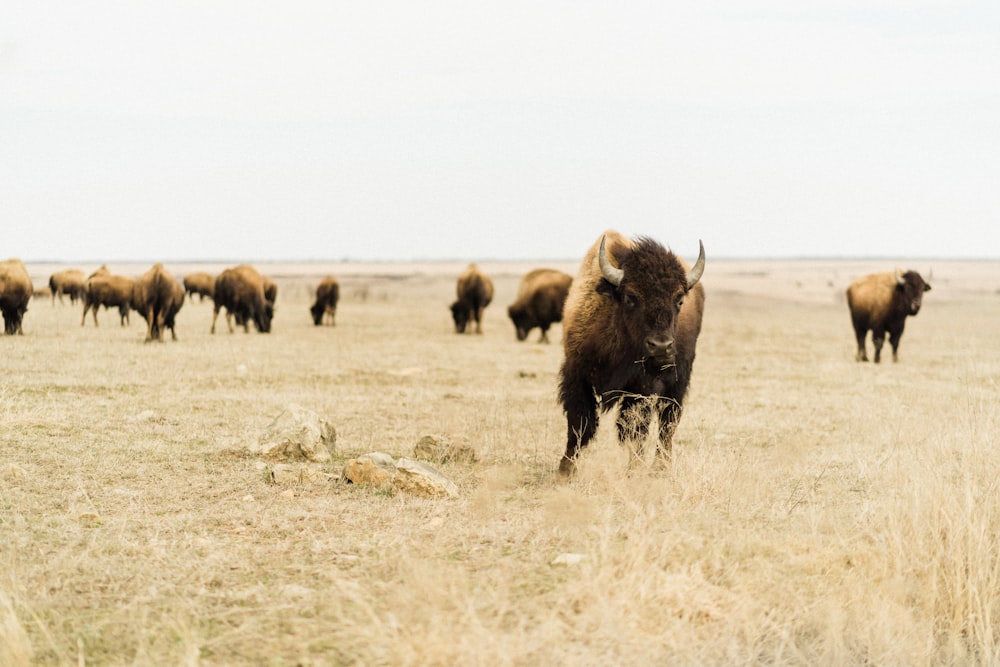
[630,325]
[157,296]
[880,302]
[200,283]
[110,291]
[539,303]
[15,293]
[475,291]
[241,291]
[70,282]
[327,295]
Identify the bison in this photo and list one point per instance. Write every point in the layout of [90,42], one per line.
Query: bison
[241,291]
[200,283]
[539,303]
[630,326]
[15,293]
[70,282]
[880,302]
[157,296]
[327,295]
[110,291]
[475,291]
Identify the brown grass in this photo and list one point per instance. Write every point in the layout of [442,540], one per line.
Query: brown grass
[816,511]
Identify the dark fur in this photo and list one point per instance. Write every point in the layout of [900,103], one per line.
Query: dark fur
[241,291]
[475,292]
[110,291]
[70,282]
[539,303]
[157,296]
[878,303]
[327,295]
[606,331]
[15,293]
[200,283]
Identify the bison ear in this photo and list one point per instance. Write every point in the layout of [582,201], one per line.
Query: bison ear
[607,289]
[927,288]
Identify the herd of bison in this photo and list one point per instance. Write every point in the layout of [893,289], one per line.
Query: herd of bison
[631,318]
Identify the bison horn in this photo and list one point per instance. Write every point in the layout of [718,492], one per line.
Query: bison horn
[694,275]
[900,280]
[612,274]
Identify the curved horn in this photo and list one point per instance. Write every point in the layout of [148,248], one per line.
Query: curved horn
[899,277]
[694,275]
[612,274]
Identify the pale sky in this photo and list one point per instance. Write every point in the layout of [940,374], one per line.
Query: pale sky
[459,129]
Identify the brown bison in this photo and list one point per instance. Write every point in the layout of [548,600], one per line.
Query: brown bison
[630,326]
[157,296]
[539,303]
[327,295]
[15,293]
[110,291]
[70,282]
[241,291]
[880,302]
[200,283]
[475,291]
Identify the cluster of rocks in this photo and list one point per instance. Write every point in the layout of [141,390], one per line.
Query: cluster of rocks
[295,447]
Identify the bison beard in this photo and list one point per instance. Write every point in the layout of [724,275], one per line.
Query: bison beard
[631,323]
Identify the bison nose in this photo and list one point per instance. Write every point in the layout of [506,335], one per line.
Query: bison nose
[659,347]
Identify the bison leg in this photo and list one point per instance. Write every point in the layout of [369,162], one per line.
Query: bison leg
[545,333]
[670,416]
[878,339]
[215,316]
[633,426]
[580,405]
[861,354]
[894,336]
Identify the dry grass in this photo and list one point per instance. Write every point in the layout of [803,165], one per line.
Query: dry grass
[817,511]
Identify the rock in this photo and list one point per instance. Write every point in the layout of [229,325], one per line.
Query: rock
[298,434]
[568,559]
[420,479]
[442,450]
[376,469]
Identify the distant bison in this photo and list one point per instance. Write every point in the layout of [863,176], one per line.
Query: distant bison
[70,282]
[880,302]
[15,293]
[157,296]
[630,326]
[110,291]
[200,283]
[327,295]
[240,290]
[539,303]
[475,291]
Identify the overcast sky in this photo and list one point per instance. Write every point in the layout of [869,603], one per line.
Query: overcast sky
[460,129]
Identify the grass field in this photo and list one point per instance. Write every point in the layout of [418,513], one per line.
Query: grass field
[816,510]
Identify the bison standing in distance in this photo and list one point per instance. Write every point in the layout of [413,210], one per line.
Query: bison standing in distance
[110,291]
[70,282]
[327,295]
[539,303]
[200,283]
[880,302]
[475,291]
[157,296]
[15,293]
[630,326]
[240,290]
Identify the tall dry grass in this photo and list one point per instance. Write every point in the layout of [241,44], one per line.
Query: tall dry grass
[815,511]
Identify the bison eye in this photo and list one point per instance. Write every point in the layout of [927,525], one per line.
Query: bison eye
[680,301]
[629,301]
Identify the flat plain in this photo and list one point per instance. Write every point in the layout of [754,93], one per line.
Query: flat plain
[816,510]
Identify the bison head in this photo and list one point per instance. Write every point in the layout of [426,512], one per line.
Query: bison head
[647,288]
[460,313]
[522,321]
[318,309]
[912,287]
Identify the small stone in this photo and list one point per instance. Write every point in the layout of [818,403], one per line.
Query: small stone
[568,559]
[420,479]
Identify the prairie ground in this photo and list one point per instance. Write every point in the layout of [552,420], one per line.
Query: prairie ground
[816,510]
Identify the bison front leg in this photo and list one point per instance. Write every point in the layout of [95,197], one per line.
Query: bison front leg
[894,336]
[670,416]
[878,339]
[580,405]
[633,426]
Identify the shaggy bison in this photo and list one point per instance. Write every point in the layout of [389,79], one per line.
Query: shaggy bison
[475,291]
[15,293]
[327,295]
[630,326]
[539,303]
[880,302]
[110,291]
[157,296]
[200,283]
[70,282]
[240,290]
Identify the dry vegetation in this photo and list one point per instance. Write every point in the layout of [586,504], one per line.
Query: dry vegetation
[817,511]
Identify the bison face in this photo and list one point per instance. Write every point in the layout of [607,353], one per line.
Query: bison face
[317,310]
[521,322]
[912,287]
[460,314]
